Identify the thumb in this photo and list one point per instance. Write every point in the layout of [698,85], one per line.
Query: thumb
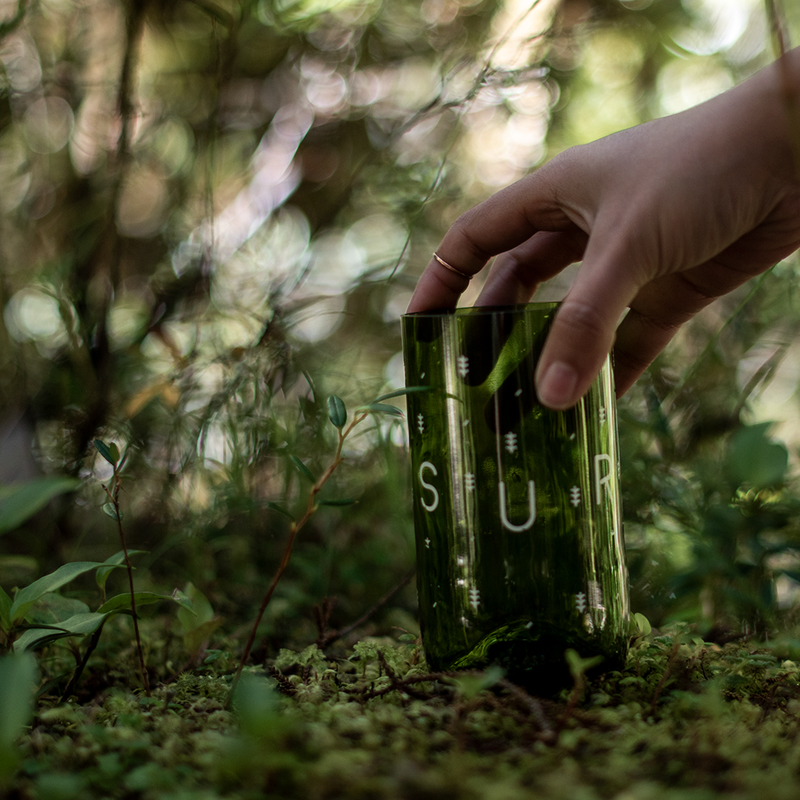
[584,327]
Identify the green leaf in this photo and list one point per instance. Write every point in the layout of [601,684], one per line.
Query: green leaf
[122,602]
[754,459]
[110,510]
[381,408]
[114,562]
[200,612]
[280,509]
[303,469]
[20,501]
[26,597]
[402,393]
[640,626]
[470,686]
[110,452]
[336,502]
[197,626]
[183,600]
[77,625]
[337,411]
[579,666]
[17,685]
[258,708]
[193,640]
[52,608]
[5,610]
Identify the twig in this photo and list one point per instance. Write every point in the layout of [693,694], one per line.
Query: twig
[399,683]
[431,677]
[76,676]
[332,636]
[322,616]
[532,705]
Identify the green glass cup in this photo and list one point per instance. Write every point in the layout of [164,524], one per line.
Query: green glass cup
[517,512]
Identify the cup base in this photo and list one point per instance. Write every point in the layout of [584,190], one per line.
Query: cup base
[532,657]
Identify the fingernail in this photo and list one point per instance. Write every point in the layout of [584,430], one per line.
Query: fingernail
[556,388]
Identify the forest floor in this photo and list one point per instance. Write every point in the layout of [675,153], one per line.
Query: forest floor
[686,719]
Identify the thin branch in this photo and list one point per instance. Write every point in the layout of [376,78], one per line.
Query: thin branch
[531,704]
[328,638]
[114,497]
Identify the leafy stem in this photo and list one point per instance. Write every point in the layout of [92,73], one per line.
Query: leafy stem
[111,454]
[337,414]
[336,409]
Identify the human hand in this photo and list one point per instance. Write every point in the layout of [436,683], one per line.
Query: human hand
[666,217]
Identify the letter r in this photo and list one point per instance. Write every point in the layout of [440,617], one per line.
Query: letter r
[601,480]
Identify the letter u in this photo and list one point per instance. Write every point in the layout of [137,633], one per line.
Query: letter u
[531,508]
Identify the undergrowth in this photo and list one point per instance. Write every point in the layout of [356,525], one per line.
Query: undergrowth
[686,718]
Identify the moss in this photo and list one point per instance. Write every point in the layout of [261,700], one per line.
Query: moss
[684,719]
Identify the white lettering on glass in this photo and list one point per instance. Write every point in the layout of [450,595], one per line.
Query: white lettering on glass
[434,504]
[531,508]
[600,479]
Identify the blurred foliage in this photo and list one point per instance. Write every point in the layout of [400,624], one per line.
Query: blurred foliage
[212,215]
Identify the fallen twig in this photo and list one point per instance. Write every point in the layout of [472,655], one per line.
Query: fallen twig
[328,638]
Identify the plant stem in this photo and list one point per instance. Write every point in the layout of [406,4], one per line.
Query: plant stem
[311,507]
[129,569]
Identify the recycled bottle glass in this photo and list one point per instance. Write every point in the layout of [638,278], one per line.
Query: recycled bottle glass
[516,507]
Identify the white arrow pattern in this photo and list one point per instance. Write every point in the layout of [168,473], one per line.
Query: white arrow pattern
[511,442]
[474,599]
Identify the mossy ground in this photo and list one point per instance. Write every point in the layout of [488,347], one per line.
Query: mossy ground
[685,719]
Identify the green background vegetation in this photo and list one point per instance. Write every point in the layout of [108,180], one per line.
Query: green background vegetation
[212,214]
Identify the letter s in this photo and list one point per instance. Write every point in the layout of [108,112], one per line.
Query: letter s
[434,504]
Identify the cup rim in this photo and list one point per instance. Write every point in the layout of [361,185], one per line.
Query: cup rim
[480,310]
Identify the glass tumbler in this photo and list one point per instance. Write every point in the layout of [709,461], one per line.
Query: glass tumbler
[517,511]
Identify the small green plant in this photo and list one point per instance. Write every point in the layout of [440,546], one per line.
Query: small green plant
[38,615]
[337,413]
[110,452]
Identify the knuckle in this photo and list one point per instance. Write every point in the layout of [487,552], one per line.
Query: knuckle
[630,363]
[584,321]
[664,325]
[463,229]
[702,295]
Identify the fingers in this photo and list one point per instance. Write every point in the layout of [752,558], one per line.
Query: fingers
[661,307]
[515,276]
[499,224]
[584,327]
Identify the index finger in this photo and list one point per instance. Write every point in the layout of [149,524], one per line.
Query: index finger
[504,221]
